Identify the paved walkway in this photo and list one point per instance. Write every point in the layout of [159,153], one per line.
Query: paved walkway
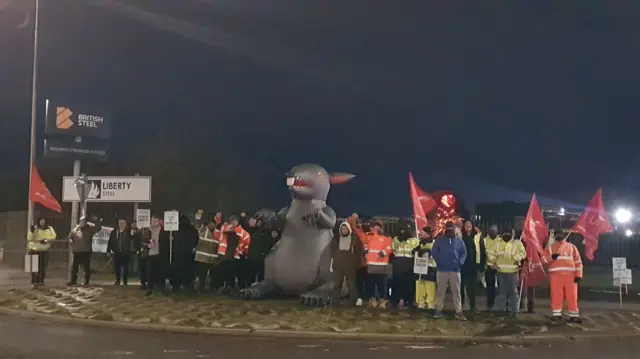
[37,340]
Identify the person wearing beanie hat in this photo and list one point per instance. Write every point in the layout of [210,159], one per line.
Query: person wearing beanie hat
[449,252]
[506,258]
[475,263]
[403,244]
[81,239]
[426,283]
[565,272]
[490,273]
[377,250]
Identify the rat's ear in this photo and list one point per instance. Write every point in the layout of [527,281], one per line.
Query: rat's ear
[339,178]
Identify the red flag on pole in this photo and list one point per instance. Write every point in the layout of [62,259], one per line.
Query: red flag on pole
[423,203]
[39,193]
[592,222]
[534,233]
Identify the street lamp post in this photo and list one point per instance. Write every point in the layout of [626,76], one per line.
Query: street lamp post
[34,102]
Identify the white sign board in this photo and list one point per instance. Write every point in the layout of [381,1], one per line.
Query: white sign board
[143,218]
[171,221]
[100,240]
[619,266]
[31,263]
[625,279]
[421,265]
[110,189]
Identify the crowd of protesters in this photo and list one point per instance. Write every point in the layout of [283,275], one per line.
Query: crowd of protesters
[370,267]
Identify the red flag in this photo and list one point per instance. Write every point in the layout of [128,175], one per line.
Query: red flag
[534,233]
[423,203]
[39,193]
[592,222]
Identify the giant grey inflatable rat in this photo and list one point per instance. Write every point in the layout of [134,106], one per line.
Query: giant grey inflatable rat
[299,263]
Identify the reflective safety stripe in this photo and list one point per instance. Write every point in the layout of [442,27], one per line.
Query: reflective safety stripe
[405,256]
[574,314]
[207,239]
[378,263]
[563,269]
[206,254]
[565,257]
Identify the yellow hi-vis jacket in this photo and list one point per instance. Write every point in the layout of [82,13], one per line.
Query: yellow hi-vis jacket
[403,249]
[427,247]
[476,241]
[506,256]
[35,238]
[207,248]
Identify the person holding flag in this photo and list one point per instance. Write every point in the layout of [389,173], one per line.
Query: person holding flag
[534,234]
[565,272]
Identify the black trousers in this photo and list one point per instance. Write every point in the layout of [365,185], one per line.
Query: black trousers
[156,272]
[376,286]
[403,288]
[226,273]
[530,293]
[81,259]
[182,271]
[468,287]
[121,266]
[361,282]
[202,270]
[490,277]
[142,269]
[255,270]
[37,277]
[243,273]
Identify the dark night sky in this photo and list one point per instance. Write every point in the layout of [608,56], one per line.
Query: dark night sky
[534,96]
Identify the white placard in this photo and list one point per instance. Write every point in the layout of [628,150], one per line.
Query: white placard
[421,264]
[626,278]
[171,221]
[619,266]
[143,218]
[100,240]
[31,263]
[110,189]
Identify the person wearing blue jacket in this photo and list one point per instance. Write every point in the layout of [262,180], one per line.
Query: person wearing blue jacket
[450,253]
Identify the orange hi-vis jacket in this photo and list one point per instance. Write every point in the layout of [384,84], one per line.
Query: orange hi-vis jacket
[568,261]
[375,245]
[361,235]
[244,241]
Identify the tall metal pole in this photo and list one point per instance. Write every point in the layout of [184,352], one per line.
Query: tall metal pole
[34,101]
[74,214]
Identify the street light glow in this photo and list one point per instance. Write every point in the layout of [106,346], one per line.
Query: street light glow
[628,233]
[623,215]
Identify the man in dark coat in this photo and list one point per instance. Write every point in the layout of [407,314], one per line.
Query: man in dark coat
[474,265]
[81,240]
[120,245]
[185,240]
[261,242]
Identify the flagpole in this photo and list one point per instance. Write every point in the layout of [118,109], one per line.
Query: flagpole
[34,101]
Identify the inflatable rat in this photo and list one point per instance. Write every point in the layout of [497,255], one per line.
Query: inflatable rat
[299,263]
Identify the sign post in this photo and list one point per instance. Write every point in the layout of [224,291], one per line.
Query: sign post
[143,218]
[109,189]
[171,224]
[621,275]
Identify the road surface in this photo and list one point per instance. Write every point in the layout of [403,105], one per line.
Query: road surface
[24,339]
